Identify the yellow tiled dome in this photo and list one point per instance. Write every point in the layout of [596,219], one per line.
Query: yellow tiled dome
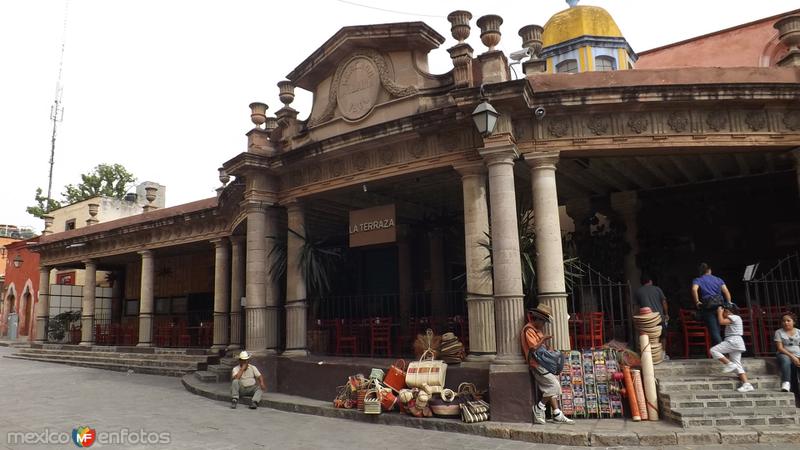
[579,21]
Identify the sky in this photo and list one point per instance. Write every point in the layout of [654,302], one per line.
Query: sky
[163,86]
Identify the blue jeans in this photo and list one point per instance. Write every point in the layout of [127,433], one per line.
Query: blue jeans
[786,366]
[712,323]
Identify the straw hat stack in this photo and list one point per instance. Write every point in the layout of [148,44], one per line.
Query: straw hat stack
[649,323]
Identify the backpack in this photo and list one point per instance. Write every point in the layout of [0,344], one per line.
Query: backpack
[550,360]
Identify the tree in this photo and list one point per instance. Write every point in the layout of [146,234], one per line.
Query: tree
[43,205]
[107,180]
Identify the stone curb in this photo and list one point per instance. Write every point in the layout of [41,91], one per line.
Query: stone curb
[517,432]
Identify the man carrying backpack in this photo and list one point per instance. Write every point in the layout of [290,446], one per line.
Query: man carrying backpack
[543,363]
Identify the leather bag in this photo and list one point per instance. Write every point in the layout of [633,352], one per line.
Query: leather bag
[396,376]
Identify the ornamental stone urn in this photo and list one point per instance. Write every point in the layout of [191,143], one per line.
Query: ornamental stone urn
[459,21]
[271,123]
[532,38]
[490,30]
[286,92]
[789,32]
[258,113]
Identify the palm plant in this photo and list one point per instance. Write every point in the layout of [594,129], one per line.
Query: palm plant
[318,262]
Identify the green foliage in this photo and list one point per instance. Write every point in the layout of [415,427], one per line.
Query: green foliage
[108,180]
[58,325]
[43,206]
[318,263]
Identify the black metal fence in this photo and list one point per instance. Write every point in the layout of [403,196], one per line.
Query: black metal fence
[600,308]
[770,295]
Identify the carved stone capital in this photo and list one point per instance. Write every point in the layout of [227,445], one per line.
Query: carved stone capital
[145,253]
[470,169]
[543,160]
[499,149]
[219,242]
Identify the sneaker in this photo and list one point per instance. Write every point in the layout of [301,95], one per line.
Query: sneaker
[728,368]
[253,405]
[234,403]
[746,387]
[561,418]
[538,415]
[786,386]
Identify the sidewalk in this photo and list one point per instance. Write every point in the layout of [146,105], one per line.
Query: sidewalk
[585,432]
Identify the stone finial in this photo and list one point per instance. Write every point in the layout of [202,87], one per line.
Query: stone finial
[286,94]
[490,30]
[48,225]
[93,209]
[459,21]
[789,35]
[150,196]
[461,54]
[532,38]
[224,178]
[270,124]
[258,113]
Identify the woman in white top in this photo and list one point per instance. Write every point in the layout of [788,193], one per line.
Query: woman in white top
[732,345]
[787,342]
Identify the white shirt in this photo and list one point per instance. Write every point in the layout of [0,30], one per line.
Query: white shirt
[733,332]
[249,376]
[790,343]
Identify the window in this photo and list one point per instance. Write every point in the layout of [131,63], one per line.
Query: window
[69,225]
[65,278]
[132,307]
[605,64]
[568,66]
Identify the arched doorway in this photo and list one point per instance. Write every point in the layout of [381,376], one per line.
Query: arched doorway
[25,313]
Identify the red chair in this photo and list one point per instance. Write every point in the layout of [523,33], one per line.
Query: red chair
[162,333]
[98,335]
[769,320]
[590,330]
[380,335]
[749,334]
[695,333]
[130,334]
[344,338]
[206,334]
[184,338]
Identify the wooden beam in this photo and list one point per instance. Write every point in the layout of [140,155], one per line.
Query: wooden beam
[622,169]
[708,161]
[650,164]
[578,176]
[684,169]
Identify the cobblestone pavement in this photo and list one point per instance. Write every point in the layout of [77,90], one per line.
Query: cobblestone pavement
[41,396]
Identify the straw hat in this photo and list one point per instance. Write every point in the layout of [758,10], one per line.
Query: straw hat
[244,356]
[542,311]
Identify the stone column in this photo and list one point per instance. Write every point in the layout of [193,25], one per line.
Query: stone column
[146,300]
[499,152]
[273,288]
[480,304]
[87,306]
[237,291]
[626,205]
[550,261]
[296,297]
[436,254]
[43,305]
[221,292]
[256,298]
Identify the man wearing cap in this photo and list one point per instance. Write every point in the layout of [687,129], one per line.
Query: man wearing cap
[533,337]
[243,381]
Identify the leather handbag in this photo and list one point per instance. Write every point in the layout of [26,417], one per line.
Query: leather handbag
[396,376]
[388,399]
[426,371]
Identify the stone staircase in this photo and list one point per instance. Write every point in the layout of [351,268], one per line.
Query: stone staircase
[217,373]
[695,393]
[154,361]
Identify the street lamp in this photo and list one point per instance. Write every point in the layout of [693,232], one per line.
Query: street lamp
[17,261]
[485,118]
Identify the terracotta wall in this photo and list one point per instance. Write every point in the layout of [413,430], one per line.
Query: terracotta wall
[27,275]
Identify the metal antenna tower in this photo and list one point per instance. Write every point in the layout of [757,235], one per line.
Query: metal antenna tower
[57,110]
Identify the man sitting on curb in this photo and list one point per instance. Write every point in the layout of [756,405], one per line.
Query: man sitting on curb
[533,337]
[243,382]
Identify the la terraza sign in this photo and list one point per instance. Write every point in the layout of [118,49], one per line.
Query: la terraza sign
[373,226]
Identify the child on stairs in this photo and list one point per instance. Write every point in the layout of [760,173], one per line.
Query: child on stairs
[732,345]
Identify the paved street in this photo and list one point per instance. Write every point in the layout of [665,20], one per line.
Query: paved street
[41,396]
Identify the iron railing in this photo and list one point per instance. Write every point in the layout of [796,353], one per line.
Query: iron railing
[769,296]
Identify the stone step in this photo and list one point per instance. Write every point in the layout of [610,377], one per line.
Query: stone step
[91,358]
[718,383]
[223,372]
[724,399]
[120,355]
[110,366]
[718,420]
[670,369]
[207,376]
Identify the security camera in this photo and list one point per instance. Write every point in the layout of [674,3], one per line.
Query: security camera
[539,112]
[520,54]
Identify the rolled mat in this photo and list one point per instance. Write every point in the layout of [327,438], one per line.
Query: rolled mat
[631,393]
[649,378]
[639,390]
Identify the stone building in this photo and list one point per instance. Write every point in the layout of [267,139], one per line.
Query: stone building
[391,190]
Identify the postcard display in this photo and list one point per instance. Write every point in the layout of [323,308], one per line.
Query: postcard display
[588,385]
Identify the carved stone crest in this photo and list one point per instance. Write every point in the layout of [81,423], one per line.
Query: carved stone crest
[387,155]
[638,123]
[792,120]
[717,120]
[678,122]
[337,168]
[558,127]
[358,89]
[755,120]
[598,124]
[360,161]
